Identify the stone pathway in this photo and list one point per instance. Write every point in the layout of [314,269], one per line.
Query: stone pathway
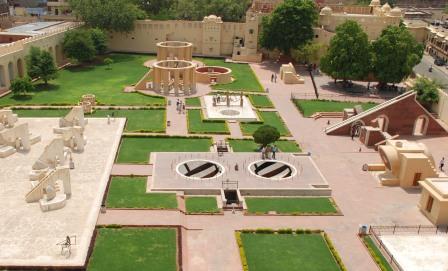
[178,121]
[131,169]
[235,130]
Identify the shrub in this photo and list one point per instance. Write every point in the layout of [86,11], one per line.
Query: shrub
[285,231]
[21,86]
[334,252]
[264,230]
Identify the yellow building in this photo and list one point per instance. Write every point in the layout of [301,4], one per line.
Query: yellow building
[405,163]
[437,42]
[434,200]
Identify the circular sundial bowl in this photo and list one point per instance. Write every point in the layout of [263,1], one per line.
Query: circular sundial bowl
[272,170]
[199,169]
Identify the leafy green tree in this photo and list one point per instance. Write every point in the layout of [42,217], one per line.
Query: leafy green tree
[32,62]
[40,64]
[111,15]
[289,26]
[21,86]
[228,10]
[108,61]
[427,91]
[266,135]
[47,67]
[78,45]
[310,53]
[99,39]
[348,56]
[395,53]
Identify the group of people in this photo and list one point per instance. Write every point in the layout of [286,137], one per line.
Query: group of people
[268,152]
[180,106]
[274,78]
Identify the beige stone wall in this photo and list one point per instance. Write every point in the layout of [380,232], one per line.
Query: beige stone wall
[372,25]
[12,56]
[441,108]
[210,38]
[439,210]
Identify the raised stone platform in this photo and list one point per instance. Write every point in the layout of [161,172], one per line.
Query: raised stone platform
[28,237]
[296,175]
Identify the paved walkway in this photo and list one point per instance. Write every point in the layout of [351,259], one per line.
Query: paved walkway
[178,121]
[131,169]
[235,130]
[210,242]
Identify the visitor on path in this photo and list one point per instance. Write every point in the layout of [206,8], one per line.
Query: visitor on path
[272,77]
[275,78]
[267,90]
[442,164]
[177,105]
[274,150]
[183,108]
[263,153]
[268,152]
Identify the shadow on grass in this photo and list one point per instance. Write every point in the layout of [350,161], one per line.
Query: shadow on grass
[22,97]
[46,87]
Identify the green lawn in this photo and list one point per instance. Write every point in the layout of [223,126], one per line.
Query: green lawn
[197,125]
[134,249]
[248,145]
[291,252]
[245,78]
[196,101]
[106,84]
[137,149]
[293,205]
[261,101]
[309,107]
[145,120]
[269,118]
[376,254]
[130,192]
[197,205]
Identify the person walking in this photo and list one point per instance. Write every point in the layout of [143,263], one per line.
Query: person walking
[442,164]
[275,78]
[274,150]
[272,77]
[263,153]
[177,105]
[183,108]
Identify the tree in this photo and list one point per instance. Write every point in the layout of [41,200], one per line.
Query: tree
[41,64]
[32,62]
[265,135]
[47,67]
[99,40]
[310,53]
[108,61]
[289,26]
[395,53]
[427,91]
[111,15]
[348,56]
[78,45]
[21,86]
[228,10]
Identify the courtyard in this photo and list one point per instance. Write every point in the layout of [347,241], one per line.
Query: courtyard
[173,178]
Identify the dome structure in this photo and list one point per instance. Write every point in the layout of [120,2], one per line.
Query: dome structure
[375,3]
[386,8]
[326,11]
[396,12]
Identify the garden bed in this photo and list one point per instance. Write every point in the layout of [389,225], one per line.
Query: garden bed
[198,125]
[271,118]
[291,205]
[248,145]
[310,107]
[201,205]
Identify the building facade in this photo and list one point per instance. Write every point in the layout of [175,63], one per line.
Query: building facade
[437,42]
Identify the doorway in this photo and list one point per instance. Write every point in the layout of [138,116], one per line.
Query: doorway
[417,177]
[420,126]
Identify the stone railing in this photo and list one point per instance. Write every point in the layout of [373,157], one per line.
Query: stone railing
[20,44]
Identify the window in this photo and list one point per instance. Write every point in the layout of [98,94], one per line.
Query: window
[429,204]
[316,36]
[251,31]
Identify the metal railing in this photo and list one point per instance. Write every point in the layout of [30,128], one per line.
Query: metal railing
[376,231]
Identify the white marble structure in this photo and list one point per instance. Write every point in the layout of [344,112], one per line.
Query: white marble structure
[74,118]
[73,138]
[7,119]
[16,139]
[51,189]
[229,107]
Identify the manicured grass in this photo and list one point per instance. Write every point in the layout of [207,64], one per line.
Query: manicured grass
[260,101]
[309,107]
[137,149]
[134,249]
[269,118]
[197,125]
[248,145]
[130,192]
[196,205]
[107,84]
[245,78]
[376,254]
[196,101]
[145,120]
[292,252]
[291,205]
